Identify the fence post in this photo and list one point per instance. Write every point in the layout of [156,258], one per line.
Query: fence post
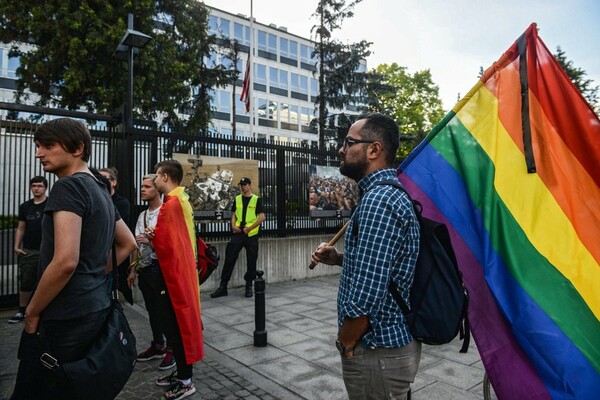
[260,332]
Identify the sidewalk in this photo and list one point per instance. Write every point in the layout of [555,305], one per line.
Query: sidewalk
[300,361]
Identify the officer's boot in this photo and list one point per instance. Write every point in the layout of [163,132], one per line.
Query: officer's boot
[221,291]
[248,289]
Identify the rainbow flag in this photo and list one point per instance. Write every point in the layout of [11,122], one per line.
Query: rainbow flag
[514,171]
[175,246]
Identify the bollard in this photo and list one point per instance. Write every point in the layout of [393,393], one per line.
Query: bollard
[260,333]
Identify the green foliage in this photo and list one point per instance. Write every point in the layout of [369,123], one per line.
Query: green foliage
[411,99]
[71,63]
[8,221]
[340,82]
[579,78]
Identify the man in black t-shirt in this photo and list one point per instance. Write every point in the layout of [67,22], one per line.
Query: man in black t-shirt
[247,216]
[72,300]
[28,238]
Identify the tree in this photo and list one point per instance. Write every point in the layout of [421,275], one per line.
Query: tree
[579,78]
[411,99]
[70,62]
[338,64]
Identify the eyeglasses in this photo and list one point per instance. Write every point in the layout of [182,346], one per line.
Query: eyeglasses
[348,142]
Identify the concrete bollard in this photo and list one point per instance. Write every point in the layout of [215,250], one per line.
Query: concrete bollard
[260,333]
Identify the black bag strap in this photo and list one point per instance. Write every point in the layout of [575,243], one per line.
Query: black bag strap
[115,273]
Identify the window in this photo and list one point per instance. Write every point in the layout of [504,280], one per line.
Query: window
[211,60]
[261,106]
[284,47]
[13,65]
[278,78]
[303,84]
[262,40]
[213,25]
[295,82]
[224,101]
[306,54]
[293,50]
[242,34]
[305,116]
[283,79]
[294,114]
[314,86]
[272,43]
[224,28]
[260,74]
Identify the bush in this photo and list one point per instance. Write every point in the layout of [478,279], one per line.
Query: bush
[8,221]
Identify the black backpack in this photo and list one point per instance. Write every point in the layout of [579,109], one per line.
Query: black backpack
[438,297]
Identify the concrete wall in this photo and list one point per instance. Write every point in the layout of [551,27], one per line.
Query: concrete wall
[281,259]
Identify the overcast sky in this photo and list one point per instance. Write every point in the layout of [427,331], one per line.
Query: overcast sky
[452,38]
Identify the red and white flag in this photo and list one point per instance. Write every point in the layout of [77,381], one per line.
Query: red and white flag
[245,96]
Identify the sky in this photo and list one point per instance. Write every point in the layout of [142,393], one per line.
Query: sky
[451,38]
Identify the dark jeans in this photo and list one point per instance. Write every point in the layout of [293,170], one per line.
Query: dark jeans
[171,329]
[235,245]
[151,283]
[66,340]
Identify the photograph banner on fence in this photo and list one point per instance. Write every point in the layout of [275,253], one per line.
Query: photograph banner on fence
[328,190]
[212,182]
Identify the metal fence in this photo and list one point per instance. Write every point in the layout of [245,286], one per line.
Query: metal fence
[284,171]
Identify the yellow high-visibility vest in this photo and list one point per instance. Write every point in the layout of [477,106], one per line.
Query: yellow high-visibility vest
[251,215]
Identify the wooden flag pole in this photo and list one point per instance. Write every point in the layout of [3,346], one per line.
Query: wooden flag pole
[333,241]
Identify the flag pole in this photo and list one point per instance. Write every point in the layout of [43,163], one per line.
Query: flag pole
[250,80]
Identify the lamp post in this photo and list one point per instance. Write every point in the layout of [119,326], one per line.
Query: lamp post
[131,42]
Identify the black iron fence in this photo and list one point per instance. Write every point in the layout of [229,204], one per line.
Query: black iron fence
[283,169]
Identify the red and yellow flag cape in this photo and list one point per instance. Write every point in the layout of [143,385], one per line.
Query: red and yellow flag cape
[175,246]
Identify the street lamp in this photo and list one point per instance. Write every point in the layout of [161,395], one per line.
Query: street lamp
[123,156]
[127,48]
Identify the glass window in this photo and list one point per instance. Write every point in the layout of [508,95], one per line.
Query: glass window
[295,82]
[273,111]
[13,65]
[214,100]
[225,25]
[305,116]
[283,47]
[293,111]
[261,108]
[241,33]
[213,25]
[293,50]
[284,112]
[272,44]
[303,84]
[283,79]
[273,77]
[262,40]
[305,53]
[260,75]
[224,101]
[240,106]
[314,86]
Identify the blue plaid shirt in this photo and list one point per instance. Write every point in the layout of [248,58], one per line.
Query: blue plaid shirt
[381,245]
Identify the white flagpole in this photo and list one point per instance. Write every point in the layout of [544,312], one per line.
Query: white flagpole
[250,80]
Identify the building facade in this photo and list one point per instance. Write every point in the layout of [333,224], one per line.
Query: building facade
[284,86]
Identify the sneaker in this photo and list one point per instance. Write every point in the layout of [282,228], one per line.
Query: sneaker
[151,353]
[168,362]
[169,380]
[18,317]
[179,391]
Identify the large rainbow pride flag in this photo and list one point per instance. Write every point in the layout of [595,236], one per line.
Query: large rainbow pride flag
[514,171]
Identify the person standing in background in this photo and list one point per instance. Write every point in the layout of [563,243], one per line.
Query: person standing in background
[247,216]
[174,241]
[28,238]
[124,208]
[149,276]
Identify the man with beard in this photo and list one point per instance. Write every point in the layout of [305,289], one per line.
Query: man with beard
[379,356]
